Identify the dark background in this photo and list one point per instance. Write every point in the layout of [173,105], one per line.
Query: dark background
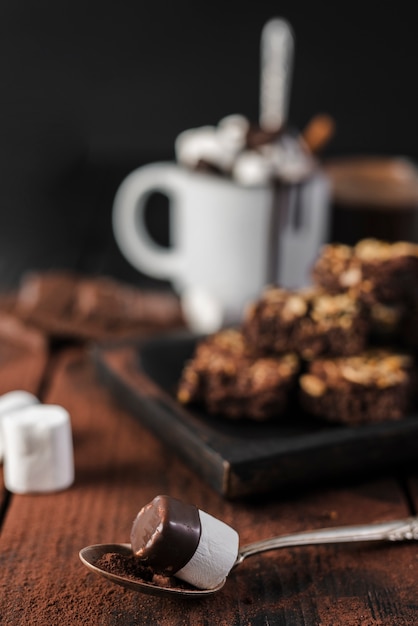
[90,90]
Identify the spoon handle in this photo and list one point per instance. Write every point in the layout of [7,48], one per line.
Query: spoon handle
[398,530]
[277,43]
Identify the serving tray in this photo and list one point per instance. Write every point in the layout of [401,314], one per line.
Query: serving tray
[238,457]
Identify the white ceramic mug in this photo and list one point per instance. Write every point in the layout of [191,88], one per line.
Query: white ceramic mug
[228,240]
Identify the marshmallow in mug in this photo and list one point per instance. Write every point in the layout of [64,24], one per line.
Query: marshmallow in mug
[218,146]
[38,450]
[10,402]
[282,156]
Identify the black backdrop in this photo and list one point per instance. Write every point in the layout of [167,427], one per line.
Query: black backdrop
[90,90]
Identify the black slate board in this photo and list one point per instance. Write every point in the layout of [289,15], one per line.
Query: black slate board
[242,458]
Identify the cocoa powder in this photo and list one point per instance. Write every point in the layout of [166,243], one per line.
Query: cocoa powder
[126,566]
[129,566]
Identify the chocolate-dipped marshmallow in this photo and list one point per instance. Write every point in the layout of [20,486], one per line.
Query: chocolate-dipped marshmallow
[175,538]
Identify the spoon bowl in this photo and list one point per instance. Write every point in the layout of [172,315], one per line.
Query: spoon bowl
[397,530]
[90,556]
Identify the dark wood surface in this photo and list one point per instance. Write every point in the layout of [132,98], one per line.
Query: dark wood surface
[80,111]
[120,466]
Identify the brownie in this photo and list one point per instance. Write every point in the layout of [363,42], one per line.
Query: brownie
[386,322]
[309,322]
[378,271]
[409,325]
[374,386]
[65,303]
[228,379]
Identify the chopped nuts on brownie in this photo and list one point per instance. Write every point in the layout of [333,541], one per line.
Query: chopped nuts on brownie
[378,271]
[309,322]
[228,379]
[374,386]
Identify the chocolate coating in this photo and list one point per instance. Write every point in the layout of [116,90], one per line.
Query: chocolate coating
[257,136]
[165,534]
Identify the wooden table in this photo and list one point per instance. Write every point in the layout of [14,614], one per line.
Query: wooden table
[120,466]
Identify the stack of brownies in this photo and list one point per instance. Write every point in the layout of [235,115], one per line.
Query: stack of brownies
[341,347]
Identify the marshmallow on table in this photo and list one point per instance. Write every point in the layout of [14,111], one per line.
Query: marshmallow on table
[38,450]
[12,401]
[175,538]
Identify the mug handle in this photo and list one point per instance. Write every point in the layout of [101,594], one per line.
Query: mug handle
[129,226]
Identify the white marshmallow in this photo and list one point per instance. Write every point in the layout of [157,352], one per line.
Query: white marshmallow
[215,555]
[202,311]
[10,402]
[252,168]
[235,124]
[38,450]
[232,133]
[197,144]
[218,146]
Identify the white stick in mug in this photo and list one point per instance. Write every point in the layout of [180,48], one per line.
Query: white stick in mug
[277,45]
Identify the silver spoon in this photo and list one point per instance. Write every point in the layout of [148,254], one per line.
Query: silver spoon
[398,530]
[277,45]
